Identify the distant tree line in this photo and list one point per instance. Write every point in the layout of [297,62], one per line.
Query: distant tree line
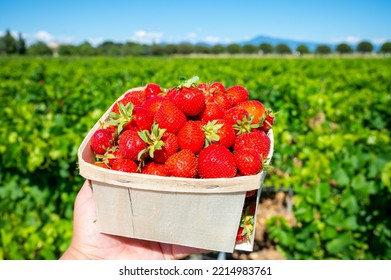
[11,46]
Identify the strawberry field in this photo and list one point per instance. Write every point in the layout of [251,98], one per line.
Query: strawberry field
[332,145]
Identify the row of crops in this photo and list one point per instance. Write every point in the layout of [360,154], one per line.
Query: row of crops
[332,145]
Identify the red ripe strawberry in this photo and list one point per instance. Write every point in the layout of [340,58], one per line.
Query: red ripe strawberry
[216,88]
[235,114]
[240,235]
[248,161]
[170,92]
[190,100]
[223,100]
[142,119]
[170,117]
[101,140]
[216,161]
[191,136]
[101,164]
[251,193]
[219,132]
[125,165]
[169,148]
[152,104]
[257,140]
[130,97]
[269,121]
[211,112]
[130,144]
[188,97]
[140,94]
[152,90]
[255,108]
[238,94]
[182,164]
[154,168]
[204,87]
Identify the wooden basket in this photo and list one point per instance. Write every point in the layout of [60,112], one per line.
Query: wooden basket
[202,213]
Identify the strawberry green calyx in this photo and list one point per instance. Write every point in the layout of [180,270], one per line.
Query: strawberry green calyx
[124,117]
[245,125]
[210,131]
[153,139]
[247,222]
[192,82]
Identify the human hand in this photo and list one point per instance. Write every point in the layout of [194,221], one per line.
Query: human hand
[88,243]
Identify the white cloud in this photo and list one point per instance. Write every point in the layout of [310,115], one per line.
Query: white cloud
[146,37]
[379,41]
[212,40]
[192,37]
[43,36]
[95,41]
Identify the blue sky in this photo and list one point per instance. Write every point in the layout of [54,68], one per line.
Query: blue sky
[73,22]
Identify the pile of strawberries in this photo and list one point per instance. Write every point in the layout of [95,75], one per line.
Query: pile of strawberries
[191,131]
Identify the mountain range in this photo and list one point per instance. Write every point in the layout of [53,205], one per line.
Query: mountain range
[293,44]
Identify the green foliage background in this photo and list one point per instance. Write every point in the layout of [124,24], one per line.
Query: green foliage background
[332,145]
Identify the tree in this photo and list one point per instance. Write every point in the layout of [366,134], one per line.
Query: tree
[10,43]
[266,48]
[67,50]
[386,47]
[234,49]
[109,48]
[39,48]
[2,45]
[85,49]
[185,48]
[21,45]
[250,49]
[283,49]
[323,49]
[217,49]
[344,48]
[302,49]
[170,49]
[364,47]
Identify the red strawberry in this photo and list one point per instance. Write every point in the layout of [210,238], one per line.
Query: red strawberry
[248,161]
[101,140]
[188,97]
[128,98]
[190,100]
[216,87]
[170,117]
[152,104]
[255,108]
[130,144]
[240,235]
[269,120]
[152,90]
[238,94]
[216,161]
[182,164]
[125,165]
[169,148]
[234,114]
[223,100]
[211,112]
[101,164]
[191,136]
[154,168]
[257,140]
[219,132]
[204,87]
[142,119]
